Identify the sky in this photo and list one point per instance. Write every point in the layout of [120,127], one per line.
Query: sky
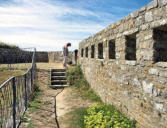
[49,24]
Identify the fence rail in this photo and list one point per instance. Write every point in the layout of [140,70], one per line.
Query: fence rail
[14,94]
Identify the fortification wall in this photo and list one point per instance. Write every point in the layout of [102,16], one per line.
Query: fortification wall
[20,56]
[8,56]
[126,64]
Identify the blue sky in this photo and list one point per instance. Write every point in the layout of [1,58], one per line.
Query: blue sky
[49,24]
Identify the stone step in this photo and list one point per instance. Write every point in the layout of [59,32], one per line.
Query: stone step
[58,82]
[58,78]
[58,70]
[59,86]
[58,74]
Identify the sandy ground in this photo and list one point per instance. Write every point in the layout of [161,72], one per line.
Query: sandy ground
[66,102]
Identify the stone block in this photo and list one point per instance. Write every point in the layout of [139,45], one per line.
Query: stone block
[153,71]
[148,16]
[163,74]
[136,82]
[153,4]
[139,20]
[162,64]
[162,2]
[135,14]
[132,63]
[147,87]
[158,106]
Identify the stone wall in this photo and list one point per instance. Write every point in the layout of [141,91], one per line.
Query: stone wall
[19,56]
[8,56]
[131,73]
[57,56]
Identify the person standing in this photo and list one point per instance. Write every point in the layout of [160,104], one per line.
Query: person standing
[65,53]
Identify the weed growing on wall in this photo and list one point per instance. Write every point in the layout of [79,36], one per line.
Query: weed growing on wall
[76,78]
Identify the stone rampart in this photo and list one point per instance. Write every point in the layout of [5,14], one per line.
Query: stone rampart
[8,56]
[126,64]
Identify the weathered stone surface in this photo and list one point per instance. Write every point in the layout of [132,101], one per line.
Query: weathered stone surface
[19,56]
[147,87]
[133,63]
[148,16]
[153,4]
[162,2]
[163,73]
[153,71]
[158,106]
[135,81]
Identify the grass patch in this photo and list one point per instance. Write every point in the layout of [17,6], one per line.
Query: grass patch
[33,105]
[30,125]
[34,100]
[76,78]
[77,118]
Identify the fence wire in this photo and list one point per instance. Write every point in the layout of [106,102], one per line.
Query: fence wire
[16,90]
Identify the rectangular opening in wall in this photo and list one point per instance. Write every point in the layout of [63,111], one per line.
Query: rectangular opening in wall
[111,49]
[93,51]
[82,52]
[130,50]
[100,50]
[160,44]
[86,52]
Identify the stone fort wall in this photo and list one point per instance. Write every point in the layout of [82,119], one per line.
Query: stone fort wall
[126,64]
[8,56]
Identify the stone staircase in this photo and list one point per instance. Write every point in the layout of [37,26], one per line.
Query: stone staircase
[58,78]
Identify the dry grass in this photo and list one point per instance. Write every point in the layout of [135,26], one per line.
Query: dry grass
[6,74]
[15,66]
[27,65]
[49,65]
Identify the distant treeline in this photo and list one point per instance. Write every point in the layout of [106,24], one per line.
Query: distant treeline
[8,46]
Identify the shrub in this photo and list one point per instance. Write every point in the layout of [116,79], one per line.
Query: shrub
[106,116]
[9,46]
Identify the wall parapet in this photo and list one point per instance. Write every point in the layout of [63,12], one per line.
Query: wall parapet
[126,64]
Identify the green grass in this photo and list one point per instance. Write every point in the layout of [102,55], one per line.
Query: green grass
[33,105]
[25,119]
[76,78]
[30,125]
[77,118]
[34,100]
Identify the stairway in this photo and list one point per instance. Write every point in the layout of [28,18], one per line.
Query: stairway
[58,78]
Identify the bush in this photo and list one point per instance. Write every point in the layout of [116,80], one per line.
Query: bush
[106,116]
[9,46]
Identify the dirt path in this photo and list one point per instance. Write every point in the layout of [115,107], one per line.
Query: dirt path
[44,116]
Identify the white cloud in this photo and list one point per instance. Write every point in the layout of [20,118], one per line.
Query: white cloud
[39,24]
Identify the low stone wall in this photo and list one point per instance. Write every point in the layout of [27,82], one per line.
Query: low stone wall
[42,57]
[126,64]
[57,56]
[8,56]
